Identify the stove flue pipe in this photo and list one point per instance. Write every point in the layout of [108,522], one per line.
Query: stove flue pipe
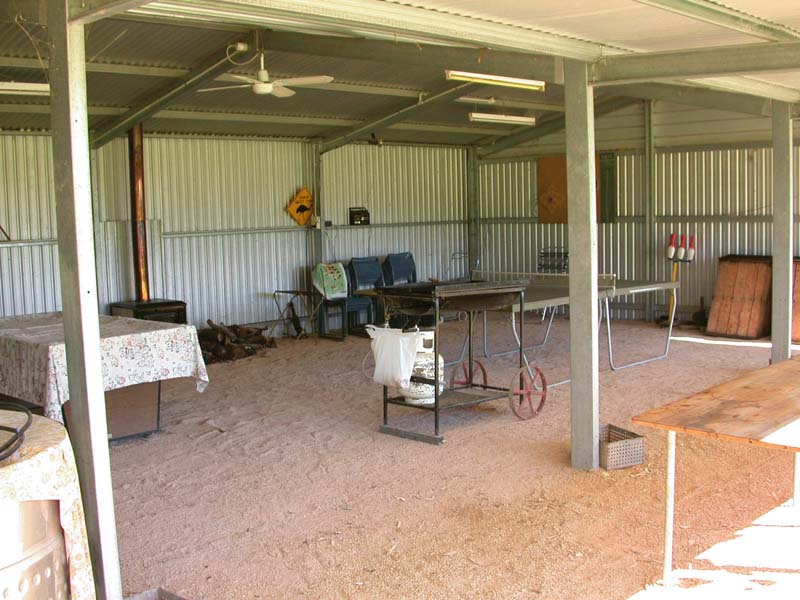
[138,219]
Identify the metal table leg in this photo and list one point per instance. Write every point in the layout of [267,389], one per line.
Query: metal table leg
[541,344]
[436,409]
[565,381]
[310,307]
[673,304]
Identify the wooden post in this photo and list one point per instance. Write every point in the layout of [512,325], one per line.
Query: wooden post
[582,230]
[89,432]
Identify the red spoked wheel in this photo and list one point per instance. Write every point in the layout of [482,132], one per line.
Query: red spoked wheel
[461,374]
[526,394]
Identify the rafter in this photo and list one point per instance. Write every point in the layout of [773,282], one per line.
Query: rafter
[384,121]
[422,55]
[256,119]
[210,68]
[695,96]
[696,63]
[549,125]
[87,11]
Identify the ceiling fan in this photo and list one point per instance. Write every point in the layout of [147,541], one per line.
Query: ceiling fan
[262,86]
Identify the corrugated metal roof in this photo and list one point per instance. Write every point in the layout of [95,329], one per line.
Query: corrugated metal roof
[132,58]
[131,42]
[623,23]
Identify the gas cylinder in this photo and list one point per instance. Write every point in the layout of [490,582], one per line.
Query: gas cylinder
[423,393]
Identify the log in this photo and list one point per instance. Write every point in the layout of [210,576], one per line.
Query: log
[220,328]
[230,342]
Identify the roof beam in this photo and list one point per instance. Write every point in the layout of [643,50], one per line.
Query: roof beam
[341,139]
[503,103]
[173,73]
[729,18]
[695,96]
[14,88]
[88,11]
[549,125]
[322,121]
[336,86]
[752,86]
[696,63]
[425,55]
[214,65]
[217,116]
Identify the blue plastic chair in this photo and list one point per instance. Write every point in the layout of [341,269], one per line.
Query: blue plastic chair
[361,276]
[399,269]
[366,274]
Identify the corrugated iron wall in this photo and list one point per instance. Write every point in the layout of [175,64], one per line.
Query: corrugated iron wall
[228,243]
[220,239]
[217,232]
[29,280]
[723,196]
[512,238]
[416,197]
[112,240]
[229,276]
[215,185]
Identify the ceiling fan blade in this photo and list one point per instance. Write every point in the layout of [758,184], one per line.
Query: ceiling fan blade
[281,92]
[300,81]
[226,87]
[235,77]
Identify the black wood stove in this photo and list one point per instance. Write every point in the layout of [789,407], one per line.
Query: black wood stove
[156,309]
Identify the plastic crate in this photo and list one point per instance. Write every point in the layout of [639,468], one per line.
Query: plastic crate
[553,260]
[620,448]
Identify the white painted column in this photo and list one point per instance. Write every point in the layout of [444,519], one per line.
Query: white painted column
[89,432]
[782,226]
[582,230]
[650,252]
[473,213]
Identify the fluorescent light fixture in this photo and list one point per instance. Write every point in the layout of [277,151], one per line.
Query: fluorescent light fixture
[494,118]
[15,88]
[514,82]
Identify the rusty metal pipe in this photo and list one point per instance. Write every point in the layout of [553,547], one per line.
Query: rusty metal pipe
[138,218]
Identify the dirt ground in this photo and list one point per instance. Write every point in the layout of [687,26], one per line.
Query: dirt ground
[275,482]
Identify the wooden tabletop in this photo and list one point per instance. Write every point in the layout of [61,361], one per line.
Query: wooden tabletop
[761,408]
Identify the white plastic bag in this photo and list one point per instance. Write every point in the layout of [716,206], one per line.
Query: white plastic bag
[394,352]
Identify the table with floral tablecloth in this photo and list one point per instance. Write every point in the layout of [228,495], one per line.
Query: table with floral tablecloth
[44,469]
[34,366]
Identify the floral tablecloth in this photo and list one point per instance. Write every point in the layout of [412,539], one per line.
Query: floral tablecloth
[44,469]
[34,365]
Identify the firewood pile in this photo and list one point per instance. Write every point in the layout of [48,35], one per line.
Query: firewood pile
[221,343]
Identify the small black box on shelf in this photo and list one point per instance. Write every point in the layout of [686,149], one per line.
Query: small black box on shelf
[359,215]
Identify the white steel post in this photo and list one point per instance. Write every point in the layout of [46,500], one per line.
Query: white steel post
[782,227]
[88,431]
[582,231]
